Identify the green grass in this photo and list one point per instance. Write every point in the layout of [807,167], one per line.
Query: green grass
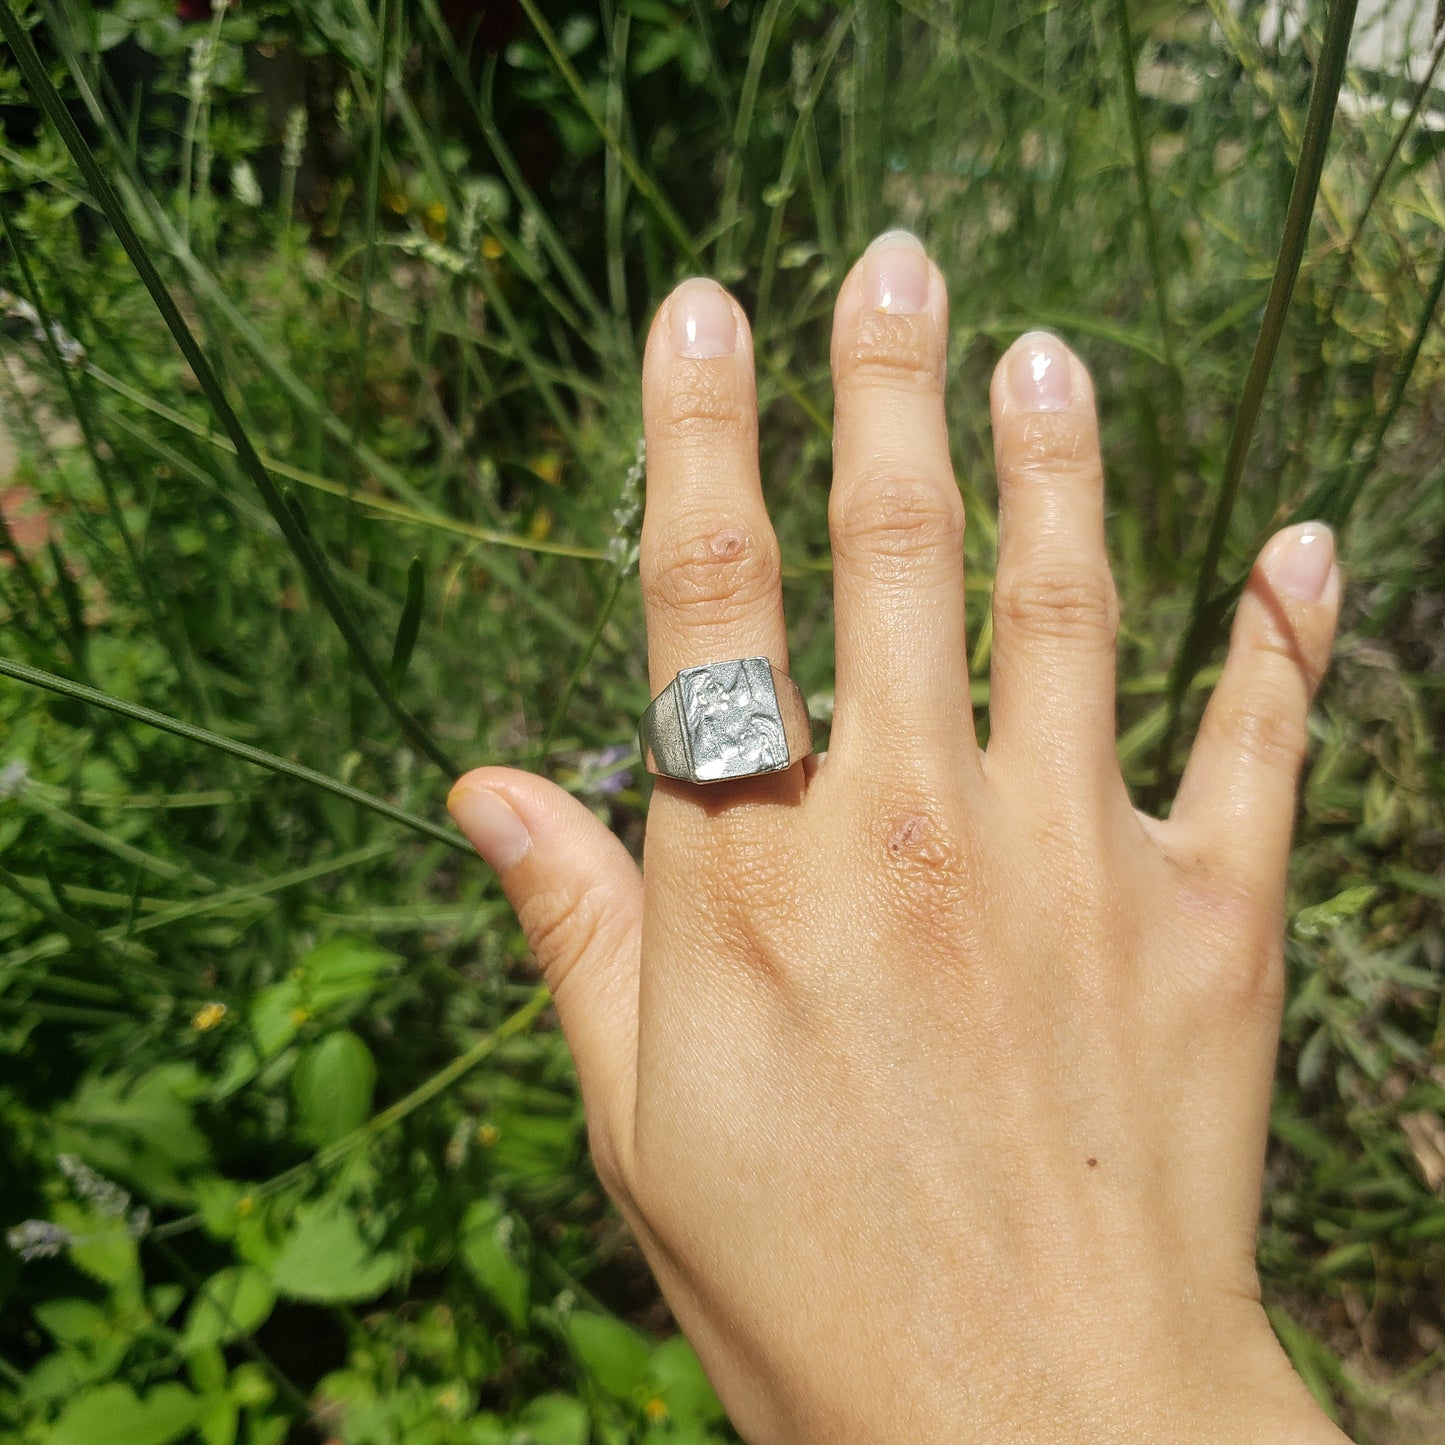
[338,496]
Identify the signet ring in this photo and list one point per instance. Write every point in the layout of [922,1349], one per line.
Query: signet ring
[724,720]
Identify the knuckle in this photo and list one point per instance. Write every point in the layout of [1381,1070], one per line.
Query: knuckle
[563,927]
[896,514]
[719,569]
[1234,929]
[897,350]
[704,402]
[1062,604]
[1266,728]
[1278,641]
[1055,448]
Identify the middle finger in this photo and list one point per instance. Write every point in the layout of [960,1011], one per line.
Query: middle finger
[896,519]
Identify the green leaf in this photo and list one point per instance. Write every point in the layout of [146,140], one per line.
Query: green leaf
[614,1354]
[230,1304]
[333,978]
[138,1130]
[113,1415]
[341,970]
[103,1247]
[219,1421]
[675,1377]
[72,1321]
[409,625]
[554,1420]
[325,1258]
[489,1251]
[276,1015]
[165,1300]
[1309,922]
[333,1084]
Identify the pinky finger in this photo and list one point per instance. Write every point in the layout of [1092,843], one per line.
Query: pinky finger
[1237,799]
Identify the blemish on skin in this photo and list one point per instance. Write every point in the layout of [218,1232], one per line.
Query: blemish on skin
[727,545]
[1092,1162]
[913,837]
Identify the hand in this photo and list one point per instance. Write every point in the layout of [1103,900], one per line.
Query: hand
[934,1082]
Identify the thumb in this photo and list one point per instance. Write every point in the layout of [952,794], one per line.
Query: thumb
[578,897]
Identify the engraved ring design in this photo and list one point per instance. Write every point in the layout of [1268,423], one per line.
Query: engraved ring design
[725,720]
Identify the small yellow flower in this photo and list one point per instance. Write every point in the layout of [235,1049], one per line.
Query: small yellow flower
[207,1017]
[397,203]
[655,1410]
[487,1135]
[437,213]
[299,1016]
[492,249]
[450,1400]
[244,1205]
[548,466]
[540,526]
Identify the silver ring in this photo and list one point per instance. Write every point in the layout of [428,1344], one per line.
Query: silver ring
[723,720]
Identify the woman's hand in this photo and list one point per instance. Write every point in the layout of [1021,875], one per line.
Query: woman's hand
[934,1081]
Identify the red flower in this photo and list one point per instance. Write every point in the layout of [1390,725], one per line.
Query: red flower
[188,10]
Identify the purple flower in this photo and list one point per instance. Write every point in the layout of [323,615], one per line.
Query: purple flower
[600,773]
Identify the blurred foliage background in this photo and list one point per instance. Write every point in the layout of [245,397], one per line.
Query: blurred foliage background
[320,478]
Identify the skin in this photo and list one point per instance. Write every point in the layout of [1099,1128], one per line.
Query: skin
[934,1081]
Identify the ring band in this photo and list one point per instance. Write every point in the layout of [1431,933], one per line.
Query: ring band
[722,720]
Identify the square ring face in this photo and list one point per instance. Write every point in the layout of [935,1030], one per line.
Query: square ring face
[731,720]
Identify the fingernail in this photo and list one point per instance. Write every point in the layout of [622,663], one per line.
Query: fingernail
[895,274]
[1039,375]
[493,829]
[703,322]
[1299,564]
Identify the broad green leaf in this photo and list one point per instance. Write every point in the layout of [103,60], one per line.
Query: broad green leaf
[330,979]
[251,1385]
[140,1131]
[232,1303]
[675,1377]
[489,1251]
[60,1376]
[333,1082]
[553,1420]
[223,1204]
[341,970]
[102,1246]
[219,1421]
[276,1015]
[72,1321]
[113,1415]
[614,1354]
[488,1429]
[165,1300]
[326,1259]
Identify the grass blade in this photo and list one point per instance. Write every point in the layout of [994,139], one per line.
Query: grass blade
[410,624]
[1205,621]
[36,677]
[312,561]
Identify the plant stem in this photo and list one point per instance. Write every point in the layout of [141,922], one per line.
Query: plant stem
[1205,622]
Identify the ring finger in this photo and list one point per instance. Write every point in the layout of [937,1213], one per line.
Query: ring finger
[709,562]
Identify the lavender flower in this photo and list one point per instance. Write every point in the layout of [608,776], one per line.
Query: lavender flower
[600,774]
[37,1239]
[104,1196]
